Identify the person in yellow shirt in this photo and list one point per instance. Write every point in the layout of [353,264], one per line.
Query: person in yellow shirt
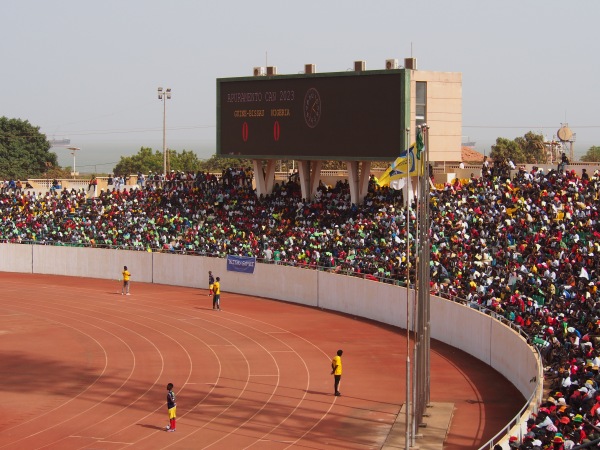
[217,294]
[126,277]
[336,371]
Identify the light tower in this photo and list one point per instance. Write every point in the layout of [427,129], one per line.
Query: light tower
[164,96]
[74,151]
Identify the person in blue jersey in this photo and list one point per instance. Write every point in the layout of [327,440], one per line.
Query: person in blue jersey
[172,408]
[211,281]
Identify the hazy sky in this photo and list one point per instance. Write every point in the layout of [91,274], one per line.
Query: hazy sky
[89,70]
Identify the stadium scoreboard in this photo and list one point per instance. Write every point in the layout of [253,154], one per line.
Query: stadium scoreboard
[318,116]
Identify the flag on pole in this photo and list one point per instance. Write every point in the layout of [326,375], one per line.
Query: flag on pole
[404,165]
[420,143]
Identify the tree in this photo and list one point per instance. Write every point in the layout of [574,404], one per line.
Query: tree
[186,161]
[218,164]
[143,161]
[592,155]
[528,149]
[57,172]
[505,149]
[24,151]
[146,160]
[533,147]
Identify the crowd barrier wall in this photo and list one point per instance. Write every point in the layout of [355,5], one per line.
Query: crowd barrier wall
[16,258]
[455,324]
[269,280]
[91,262]
[373,300]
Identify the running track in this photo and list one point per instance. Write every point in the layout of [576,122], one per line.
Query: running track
[83,367]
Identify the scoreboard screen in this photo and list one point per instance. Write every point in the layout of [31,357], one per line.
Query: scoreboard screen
[319,116]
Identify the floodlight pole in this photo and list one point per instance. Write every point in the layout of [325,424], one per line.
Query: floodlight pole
[407,404]
[73,152]
[164,96]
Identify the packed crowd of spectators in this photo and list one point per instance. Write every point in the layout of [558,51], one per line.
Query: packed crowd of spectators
[526,247]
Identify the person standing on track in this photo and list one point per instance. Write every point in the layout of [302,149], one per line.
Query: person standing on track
[217,294]
[172,407]
[126,277]
[336,371]
[211,282]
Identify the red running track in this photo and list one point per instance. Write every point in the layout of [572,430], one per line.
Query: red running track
[83,367]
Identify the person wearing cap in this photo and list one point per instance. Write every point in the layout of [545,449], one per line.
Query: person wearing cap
[591,385]
[513,442]
[558,442]
[578,432]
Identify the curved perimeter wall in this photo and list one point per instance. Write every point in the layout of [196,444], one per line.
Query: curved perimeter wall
[457,325]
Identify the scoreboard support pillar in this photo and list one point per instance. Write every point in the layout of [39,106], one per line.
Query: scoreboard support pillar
[358,180]
[310,175]
[264,180]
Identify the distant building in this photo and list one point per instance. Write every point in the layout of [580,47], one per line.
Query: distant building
[466,142]
[470,155]
[436,99]
[59,142]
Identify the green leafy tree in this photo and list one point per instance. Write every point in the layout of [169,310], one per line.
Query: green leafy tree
[592,155]
[24,151]
[506,149]
[533,148]
[145,160]
[57,172]
[218,164]
[186,161]
[528,149]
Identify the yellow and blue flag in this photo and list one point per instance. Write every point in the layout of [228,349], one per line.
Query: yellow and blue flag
[409,163]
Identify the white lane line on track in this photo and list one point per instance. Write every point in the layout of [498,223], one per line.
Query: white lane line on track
[297,407]
[155,303]
[100,439]
[73,309]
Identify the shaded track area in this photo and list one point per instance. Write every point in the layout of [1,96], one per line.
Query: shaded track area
[85,367]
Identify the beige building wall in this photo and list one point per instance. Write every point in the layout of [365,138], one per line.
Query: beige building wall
[443,115]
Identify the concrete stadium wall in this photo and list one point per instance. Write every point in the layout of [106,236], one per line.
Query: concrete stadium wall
[457,325]
[16,258]
[269,280]
[91,262]
[381,302]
